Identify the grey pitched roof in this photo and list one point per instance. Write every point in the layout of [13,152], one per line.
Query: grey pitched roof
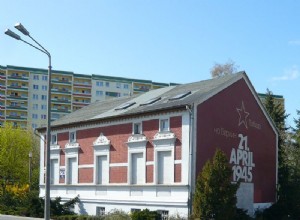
[100,110]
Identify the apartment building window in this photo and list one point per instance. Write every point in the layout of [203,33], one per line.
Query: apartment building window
[44,78]
[98,83]
[125,86]
[118,85]
[137,128]
[107,84]
[35,106]
[34,126]
[99,93]
[44,107]
[35,96]
[43,116]
[44,97]
[100,211]
[36,77]
[34,116]
[35,87]
[44,88]
[72,136]
[164,125]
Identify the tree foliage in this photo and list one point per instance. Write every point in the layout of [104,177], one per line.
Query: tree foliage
[288,204]
[219,70]
[15,145]
[215,195]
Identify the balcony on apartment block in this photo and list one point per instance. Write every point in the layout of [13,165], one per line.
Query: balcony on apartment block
[82,84]
[18,76]
[16,86]
[16,117]
[59,80]
[60,100]
[16,97]
[82,93]
[14,106]
[60,91]
[60,109]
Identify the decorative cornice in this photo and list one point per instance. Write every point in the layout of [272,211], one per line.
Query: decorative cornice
[54,147]
[72,145]
[137,138]
[164,135]
[101,140]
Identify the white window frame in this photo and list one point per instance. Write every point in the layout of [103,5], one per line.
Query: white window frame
[68,157]
[53,135]
[161,124]
[72,139]
[141,127]
[164,144]
[101,148]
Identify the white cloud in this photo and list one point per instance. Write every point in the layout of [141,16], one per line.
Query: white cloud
[289,74]
[294,42]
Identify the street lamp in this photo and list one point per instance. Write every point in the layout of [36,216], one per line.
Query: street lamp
[30,158]
[23,30]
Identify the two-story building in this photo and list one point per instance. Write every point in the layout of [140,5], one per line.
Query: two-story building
[145,151]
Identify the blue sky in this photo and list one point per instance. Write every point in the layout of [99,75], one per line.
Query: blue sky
[162,40]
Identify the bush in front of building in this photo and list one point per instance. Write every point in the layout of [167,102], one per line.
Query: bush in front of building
[145,214]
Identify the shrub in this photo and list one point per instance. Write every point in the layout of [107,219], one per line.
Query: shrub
[146,214]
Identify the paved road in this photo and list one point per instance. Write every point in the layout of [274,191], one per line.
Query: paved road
[11,217]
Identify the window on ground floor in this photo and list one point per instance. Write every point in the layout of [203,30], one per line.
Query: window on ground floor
[100,211]
[102,170]
[164,214]
[54,171]
[72,171]
[137,168]
[164,162]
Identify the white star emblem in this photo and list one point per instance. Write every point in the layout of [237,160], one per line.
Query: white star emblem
[243,115]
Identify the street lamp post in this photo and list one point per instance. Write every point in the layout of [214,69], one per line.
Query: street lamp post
[10,33]
[29,165]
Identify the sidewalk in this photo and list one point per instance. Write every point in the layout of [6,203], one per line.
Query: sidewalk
[11,217]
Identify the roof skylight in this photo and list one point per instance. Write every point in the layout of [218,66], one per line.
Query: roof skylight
[151,101]
[125,105]
[180,96]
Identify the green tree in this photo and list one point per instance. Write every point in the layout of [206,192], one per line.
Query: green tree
[15,145]
[215,195]
[278,115]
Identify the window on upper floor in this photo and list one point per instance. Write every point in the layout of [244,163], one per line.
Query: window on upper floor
[107,84]
[35,87]
[35,106]
[99,83]
[43,107]
[44,97]
[34,116]
[99,93]
[36,77]
[44,78]
[118,85]
[43,116]
[164,125]
[137,128]
[72,136]
[125,86]
[44,87]
[35,96]
[53,139]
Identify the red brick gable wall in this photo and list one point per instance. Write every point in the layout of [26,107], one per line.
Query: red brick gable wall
[219,125]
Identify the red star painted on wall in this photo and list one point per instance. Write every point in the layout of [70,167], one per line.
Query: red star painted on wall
[243,115]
